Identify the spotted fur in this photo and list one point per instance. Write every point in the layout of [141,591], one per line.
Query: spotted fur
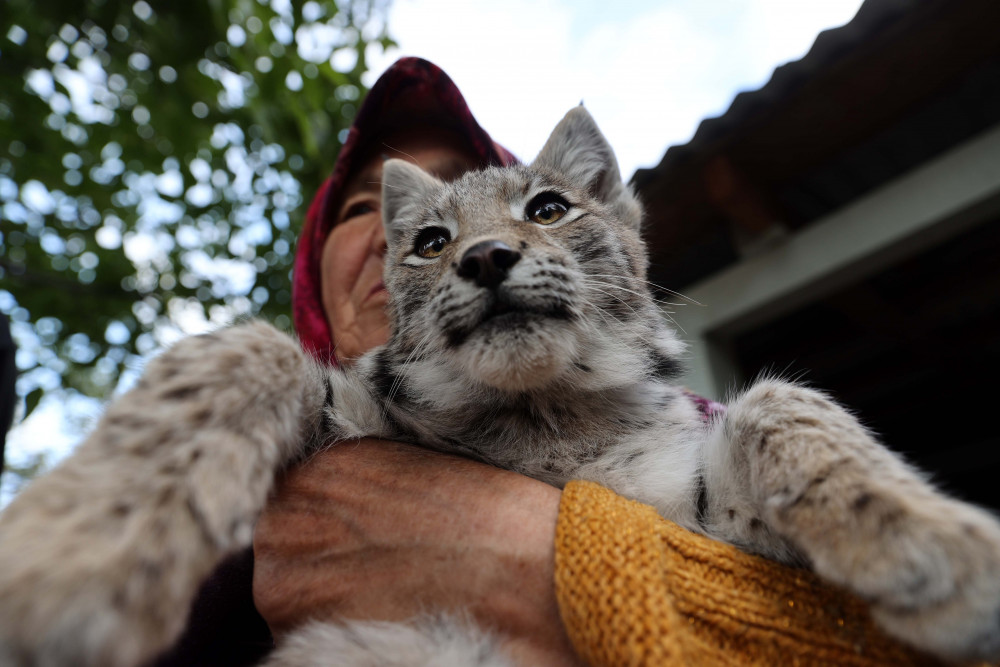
[532,346]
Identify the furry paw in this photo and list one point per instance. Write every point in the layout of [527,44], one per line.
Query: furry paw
[101,558]
[864,519]
[935,581]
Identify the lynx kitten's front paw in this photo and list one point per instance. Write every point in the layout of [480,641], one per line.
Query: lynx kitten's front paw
[864,519]
[929,565]
[101,558]
[943,593]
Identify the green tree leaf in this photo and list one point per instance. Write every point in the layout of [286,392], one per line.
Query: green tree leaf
[155,158]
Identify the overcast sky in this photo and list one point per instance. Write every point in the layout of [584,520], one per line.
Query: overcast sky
[648,70]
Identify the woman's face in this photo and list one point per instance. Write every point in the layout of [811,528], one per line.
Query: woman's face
[354,297]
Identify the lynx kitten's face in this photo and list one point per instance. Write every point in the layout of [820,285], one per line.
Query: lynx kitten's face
[514,273]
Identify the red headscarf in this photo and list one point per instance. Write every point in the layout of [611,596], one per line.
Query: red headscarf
[413,92]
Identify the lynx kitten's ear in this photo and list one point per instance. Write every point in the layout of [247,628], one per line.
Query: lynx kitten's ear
[577,150]
[404,187]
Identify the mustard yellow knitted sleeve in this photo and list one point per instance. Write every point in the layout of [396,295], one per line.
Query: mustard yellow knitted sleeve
[636,589]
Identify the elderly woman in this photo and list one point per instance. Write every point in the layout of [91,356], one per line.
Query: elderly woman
[381,530]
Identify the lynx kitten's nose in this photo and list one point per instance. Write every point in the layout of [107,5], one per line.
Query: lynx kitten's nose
[487,263]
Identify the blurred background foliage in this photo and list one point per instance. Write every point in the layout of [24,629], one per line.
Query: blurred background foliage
[155,158]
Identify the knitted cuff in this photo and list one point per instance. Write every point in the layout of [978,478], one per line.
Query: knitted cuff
[635,589]
[610,582]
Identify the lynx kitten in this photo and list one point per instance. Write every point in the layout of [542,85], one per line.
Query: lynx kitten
[524,335]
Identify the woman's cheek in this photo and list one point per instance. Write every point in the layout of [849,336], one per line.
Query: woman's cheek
[343,258]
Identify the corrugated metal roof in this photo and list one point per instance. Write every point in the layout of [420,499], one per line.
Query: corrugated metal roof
[970,107]
[829,46]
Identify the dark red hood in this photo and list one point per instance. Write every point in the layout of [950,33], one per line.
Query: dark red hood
[412,88]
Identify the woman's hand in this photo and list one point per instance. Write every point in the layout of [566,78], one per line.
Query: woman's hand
[378,530]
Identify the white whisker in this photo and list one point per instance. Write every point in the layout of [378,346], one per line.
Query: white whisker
[590,285]
[415,160]
[639,294]
[666,313]
[655,287]
[417,349]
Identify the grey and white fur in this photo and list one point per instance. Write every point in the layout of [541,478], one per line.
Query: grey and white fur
[524,335]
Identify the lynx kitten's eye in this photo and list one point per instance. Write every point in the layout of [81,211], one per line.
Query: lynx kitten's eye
[431,242]
[546,208]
